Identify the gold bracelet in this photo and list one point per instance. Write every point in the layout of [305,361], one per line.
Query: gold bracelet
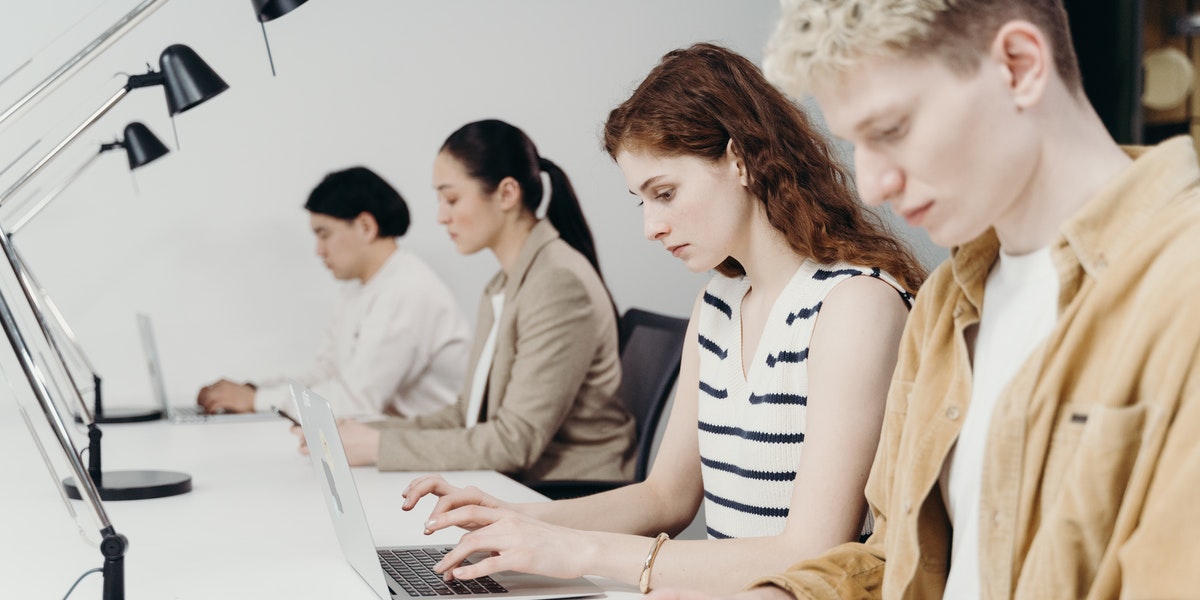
[644,580]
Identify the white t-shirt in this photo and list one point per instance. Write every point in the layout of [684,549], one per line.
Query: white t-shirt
[398,343]
[1020,306]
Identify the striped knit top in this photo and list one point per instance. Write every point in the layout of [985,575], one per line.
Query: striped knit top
[752,426]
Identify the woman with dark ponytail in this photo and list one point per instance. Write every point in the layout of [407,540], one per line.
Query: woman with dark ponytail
[540,397]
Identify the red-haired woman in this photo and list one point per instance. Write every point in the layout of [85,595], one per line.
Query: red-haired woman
[790,349]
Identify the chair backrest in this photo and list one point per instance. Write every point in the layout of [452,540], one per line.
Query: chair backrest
[651,348]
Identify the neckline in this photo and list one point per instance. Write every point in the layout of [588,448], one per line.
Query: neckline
[743,375]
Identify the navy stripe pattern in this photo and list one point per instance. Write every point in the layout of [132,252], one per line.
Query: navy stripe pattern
[714,392]
[786,356]
[712,346]
[762,511]
[778,398]
[718,304]
[754,436]
[749,474]
[753,409]
[804,313]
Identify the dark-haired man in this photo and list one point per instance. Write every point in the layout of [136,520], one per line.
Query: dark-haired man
[397,343]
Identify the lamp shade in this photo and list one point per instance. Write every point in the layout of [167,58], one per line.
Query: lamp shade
[141,145]
[269,10]
[188,80]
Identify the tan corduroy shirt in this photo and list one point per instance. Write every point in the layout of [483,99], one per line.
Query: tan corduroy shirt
[1091,478]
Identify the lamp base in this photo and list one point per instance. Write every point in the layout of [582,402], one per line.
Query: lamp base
[130,415]
[127,415]
[136,485]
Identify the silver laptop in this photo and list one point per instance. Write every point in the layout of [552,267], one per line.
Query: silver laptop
[184,413]
[402,571]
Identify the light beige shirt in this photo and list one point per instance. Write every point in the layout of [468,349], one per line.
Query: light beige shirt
[396,345]
[1091,475]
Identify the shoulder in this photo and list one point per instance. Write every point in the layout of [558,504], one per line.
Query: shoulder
[939,290]
[558,264]
[1174,242]
[410,280]
[859,306]
[863,296]
[559,275]
[1154,275]
[404,266]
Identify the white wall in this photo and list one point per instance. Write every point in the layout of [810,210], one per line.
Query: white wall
[214,243]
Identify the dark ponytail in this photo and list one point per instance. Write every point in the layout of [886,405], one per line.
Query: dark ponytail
[565,213]
[492,150]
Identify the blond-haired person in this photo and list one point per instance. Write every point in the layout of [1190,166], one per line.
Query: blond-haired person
[1040,437]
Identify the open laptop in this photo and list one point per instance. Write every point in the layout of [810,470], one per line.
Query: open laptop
[185,413]
[402,571]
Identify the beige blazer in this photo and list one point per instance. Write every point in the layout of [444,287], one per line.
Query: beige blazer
[551,406]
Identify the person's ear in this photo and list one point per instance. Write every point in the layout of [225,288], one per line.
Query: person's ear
[366,225]
[509,194]
[1023,57]
[736,163]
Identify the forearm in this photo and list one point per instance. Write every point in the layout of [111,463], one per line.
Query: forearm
[722,567]
[717,567]
[487,446]
[447,418]
[636,508]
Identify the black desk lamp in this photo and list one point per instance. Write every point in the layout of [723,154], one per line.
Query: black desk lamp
[186,79]
[187,82]
[94,486]
[141,147]
[269,10]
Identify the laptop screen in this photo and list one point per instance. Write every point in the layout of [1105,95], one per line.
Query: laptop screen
[150,349]
[337,485]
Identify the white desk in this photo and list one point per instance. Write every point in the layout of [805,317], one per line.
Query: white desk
[254,526]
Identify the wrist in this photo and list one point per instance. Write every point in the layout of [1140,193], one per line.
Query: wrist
[593,551]
[648,563]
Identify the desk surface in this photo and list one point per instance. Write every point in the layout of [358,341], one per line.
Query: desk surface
[254,526]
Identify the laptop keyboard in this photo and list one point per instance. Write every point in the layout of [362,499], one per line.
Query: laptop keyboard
[188,414]
[413,571]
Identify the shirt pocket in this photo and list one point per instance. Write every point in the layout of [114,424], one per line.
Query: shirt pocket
[1091,457]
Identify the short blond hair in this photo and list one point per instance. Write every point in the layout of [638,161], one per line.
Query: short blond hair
[816,40]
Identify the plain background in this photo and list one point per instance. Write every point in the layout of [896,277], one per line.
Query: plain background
[212,241]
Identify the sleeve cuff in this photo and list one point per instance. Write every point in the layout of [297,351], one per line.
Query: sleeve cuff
[273,396]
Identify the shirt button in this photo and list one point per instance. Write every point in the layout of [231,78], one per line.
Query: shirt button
[908,508]
[952,413]
[996,520]
[958,311]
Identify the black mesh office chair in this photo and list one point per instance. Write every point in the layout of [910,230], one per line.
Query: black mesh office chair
[651,346]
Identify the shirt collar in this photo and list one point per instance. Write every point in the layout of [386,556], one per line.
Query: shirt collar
[1106,224]
[389,264]
[542,234]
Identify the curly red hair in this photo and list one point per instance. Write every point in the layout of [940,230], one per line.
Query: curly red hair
[699,99]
